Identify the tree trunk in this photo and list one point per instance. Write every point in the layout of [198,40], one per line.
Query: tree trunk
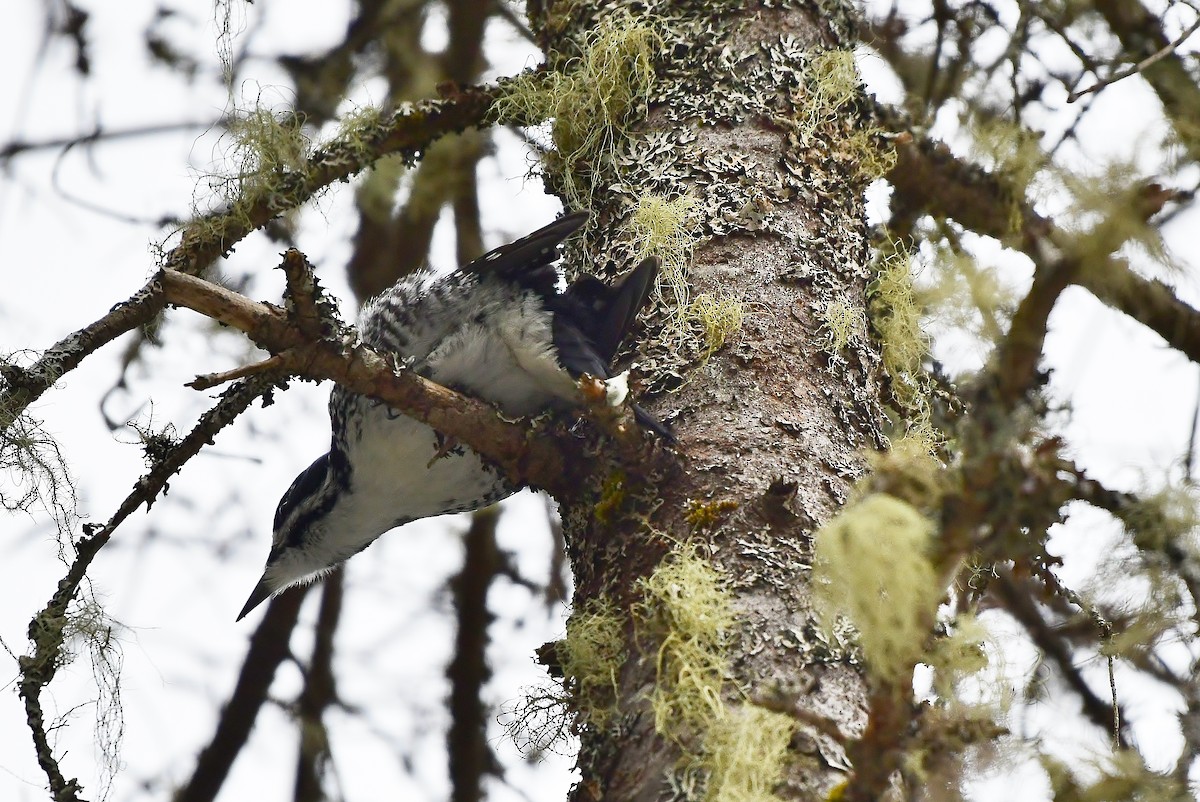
[725,684]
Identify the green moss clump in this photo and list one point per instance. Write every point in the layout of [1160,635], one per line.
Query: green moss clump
[703,514]
[612,496]
[591,655]
[871,564]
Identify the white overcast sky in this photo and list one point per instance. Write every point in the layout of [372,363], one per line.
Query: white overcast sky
[177,576]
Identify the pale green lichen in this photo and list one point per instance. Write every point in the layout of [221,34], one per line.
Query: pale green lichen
[958,655]
[831,81]
[1014,155]
[740,749]
[688,609]
[1167,518]
[746,751]
[718,318]
[966,294]
[841,323]
[1121,775]
[667,229]
[871,564]
[591,654]
[593,101]
[908,470]
[896,316]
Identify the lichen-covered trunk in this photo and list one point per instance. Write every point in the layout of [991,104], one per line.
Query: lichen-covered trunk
[693,654]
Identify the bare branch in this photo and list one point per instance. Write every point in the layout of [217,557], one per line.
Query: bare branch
[268,649]
[1141,34]
[1140,66]
[318,694]
[471,758]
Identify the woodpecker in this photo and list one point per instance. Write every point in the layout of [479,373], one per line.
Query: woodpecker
[498,329]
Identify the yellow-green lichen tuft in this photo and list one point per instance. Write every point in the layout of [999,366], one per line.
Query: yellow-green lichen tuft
[958,655]
[896,317]
[591,655]
[831,81]
[1122,774]
[667,229]
[871,564]
[967,295]
[1169,518]
[871,153]
[267,146]
[739,748]
[1014,155]
[593,101]
[688,609]
[718,318]
[841,323]
[746,752]
[909,471]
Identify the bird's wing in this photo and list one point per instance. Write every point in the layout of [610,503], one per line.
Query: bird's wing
[528,256]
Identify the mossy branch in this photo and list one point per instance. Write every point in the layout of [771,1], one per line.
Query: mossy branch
[406,134]
[928,178]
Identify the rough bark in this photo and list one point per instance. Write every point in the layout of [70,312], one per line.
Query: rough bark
[770,428]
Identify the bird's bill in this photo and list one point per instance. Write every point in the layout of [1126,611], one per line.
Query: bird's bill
[261,593]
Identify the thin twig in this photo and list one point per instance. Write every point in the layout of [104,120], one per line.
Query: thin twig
[1140,66]
[209,380]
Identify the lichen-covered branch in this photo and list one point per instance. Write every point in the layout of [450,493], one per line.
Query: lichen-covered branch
[928,178]
[20,387]
[406,134]
[47,627]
